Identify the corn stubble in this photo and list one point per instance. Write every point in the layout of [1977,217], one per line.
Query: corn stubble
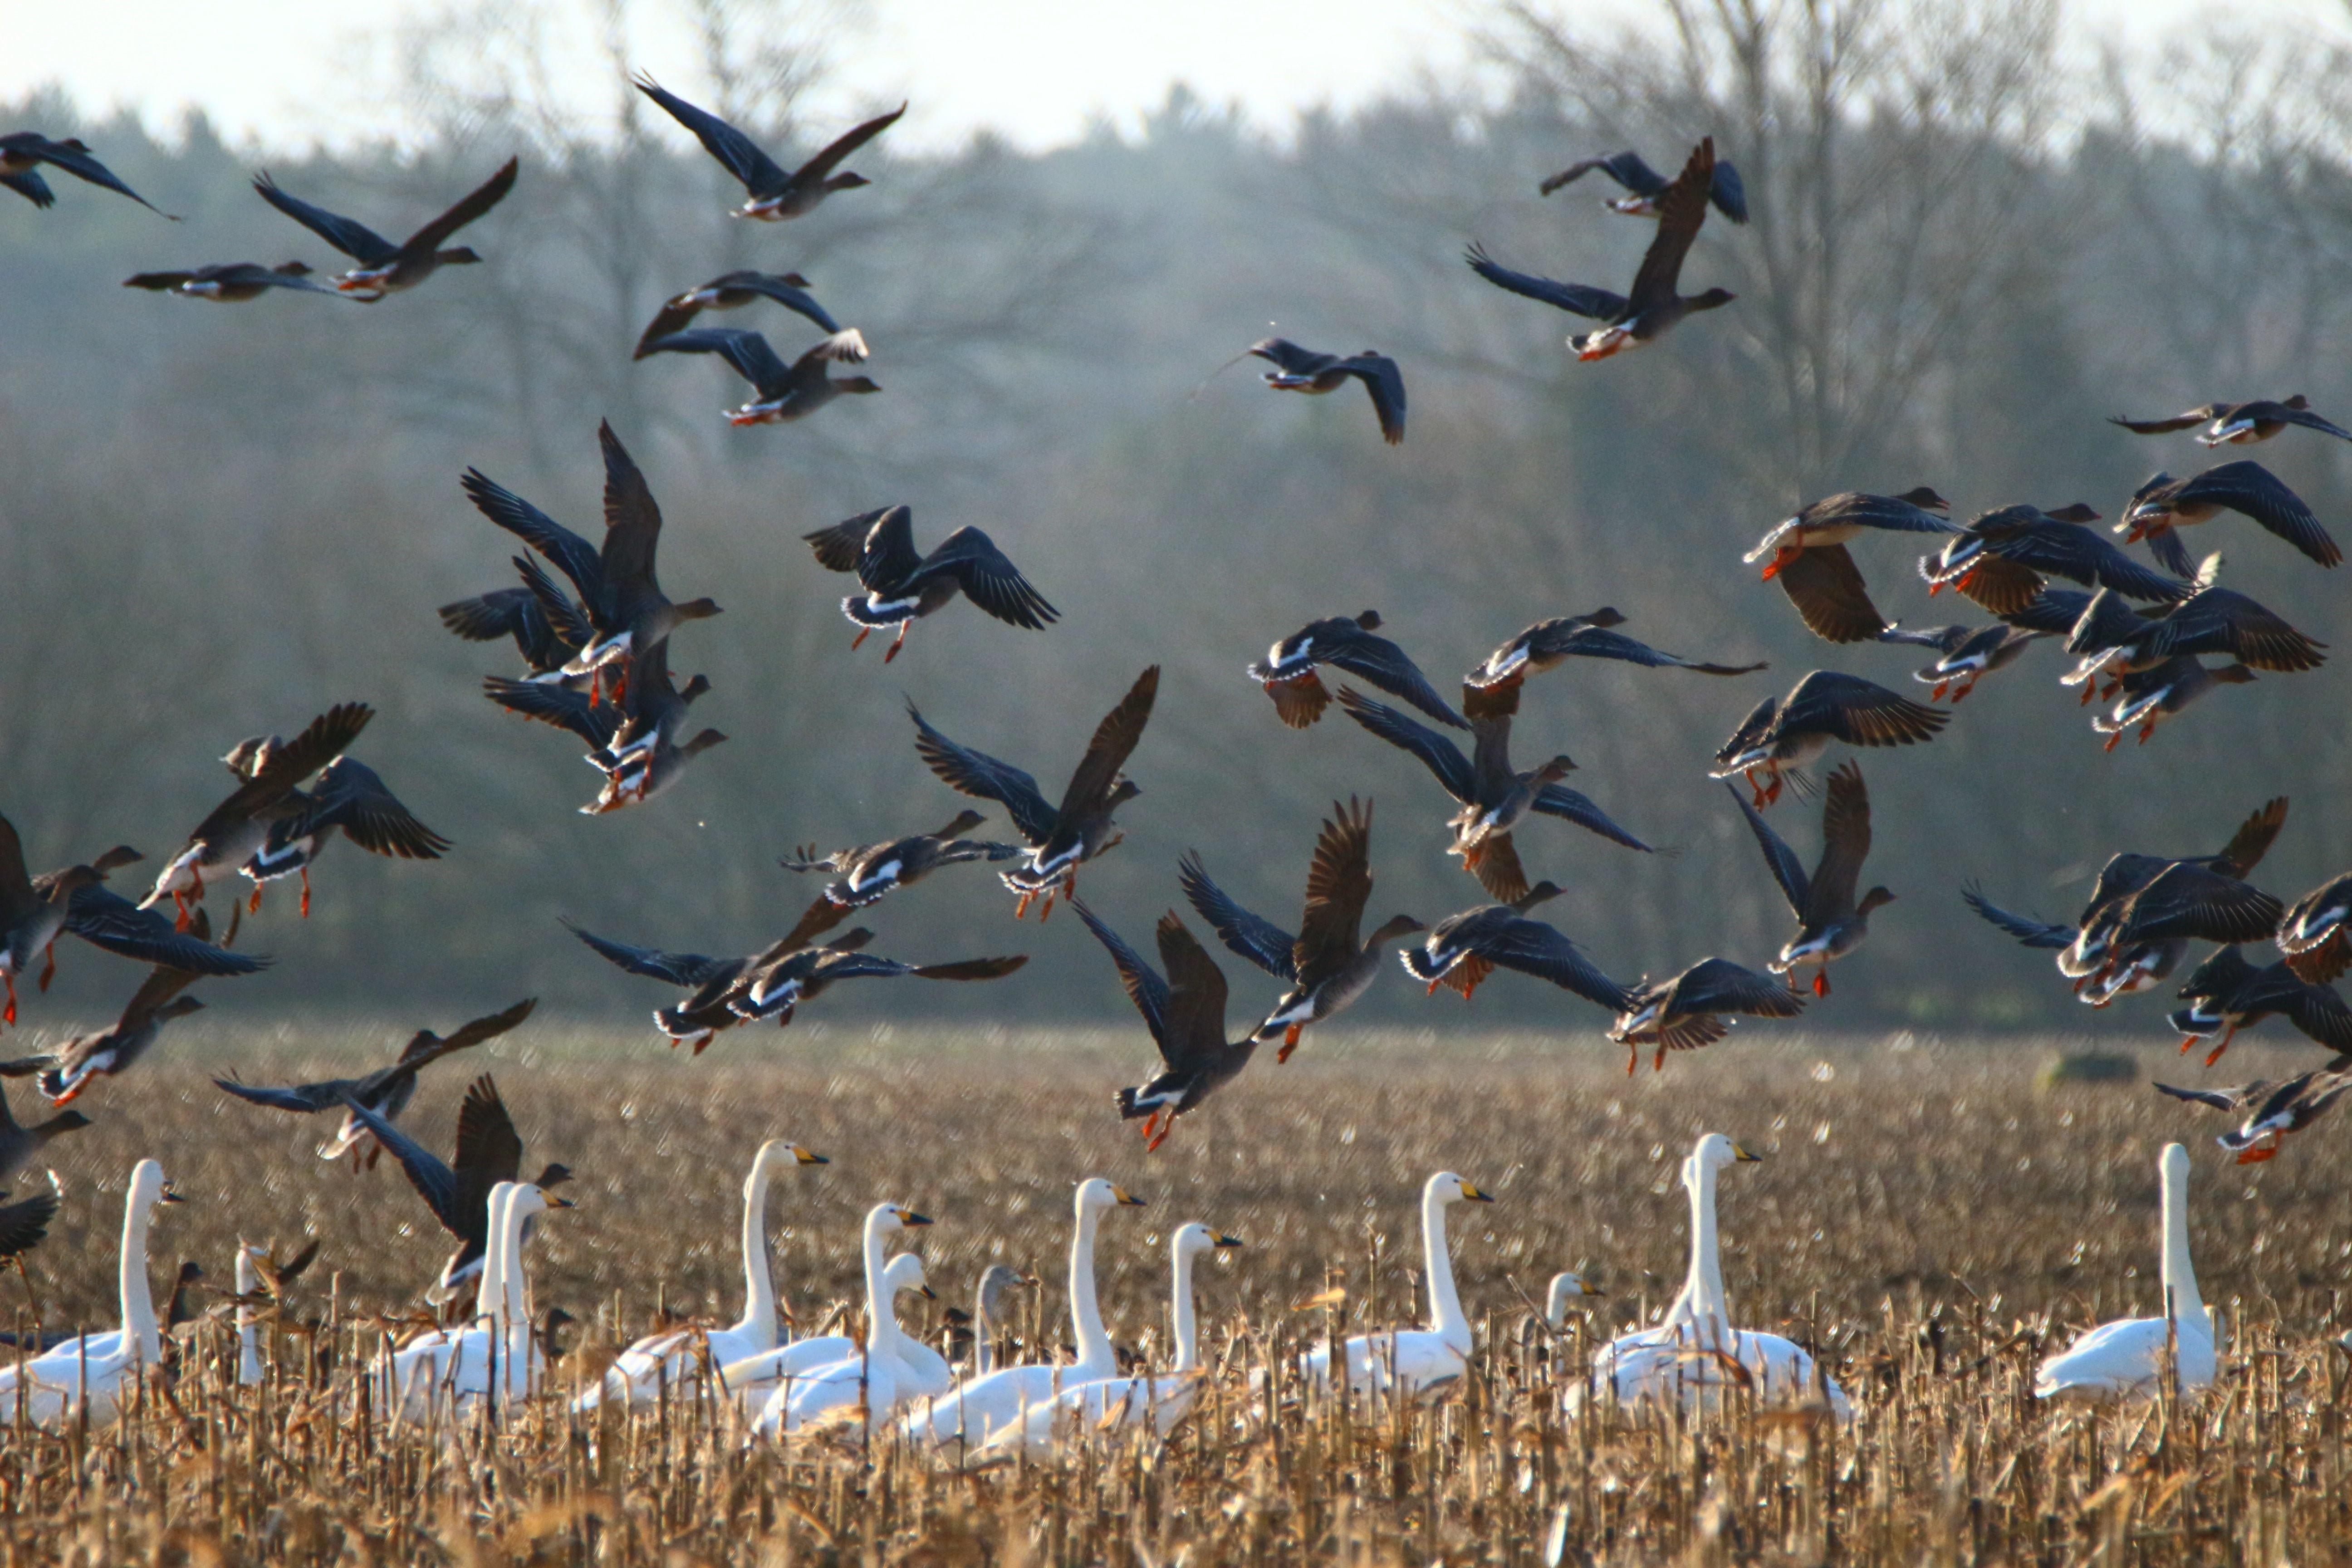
[1927,1223]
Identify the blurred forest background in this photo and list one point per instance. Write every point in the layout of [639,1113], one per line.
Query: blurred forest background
[1966,254]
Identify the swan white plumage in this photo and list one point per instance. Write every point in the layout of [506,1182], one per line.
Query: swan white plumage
[674,1358]
[749,1381]
[973,1409]
[1159,1405]
[1683,1357]
[1418,1363]
[103,1368]
[249,1345]
[499,1354]
[1566,1285]
[865,1390]
[2125,1360]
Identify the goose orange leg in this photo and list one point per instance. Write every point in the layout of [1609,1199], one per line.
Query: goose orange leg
[859,640]
[2230,1034]
[306,892]
[1021,910]
[1822,981]
[1937,694]
[901,642]
[253,901]
[2111,741]
[1290,1043]
[9,1014]
[1966,687]
[48,965]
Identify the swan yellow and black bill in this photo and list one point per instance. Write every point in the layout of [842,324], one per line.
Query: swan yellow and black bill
[807,1156]
[1741,1154]
[1224,1241]
[171,1194]
[908,1216]
[1124,1196]
[1477,1194]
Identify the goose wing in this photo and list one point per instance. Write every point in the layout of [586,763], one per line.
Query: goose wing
[632,523]
[761,174]
[1339,885]
[1144,987]
[489,617]
[749,352]
[841,547]
[550,703]
[1826,587]
[1375,660]
[434,1182]
[1845,844]
[2251,488]
[2166,426]
[24,1223]
[285,767]
[1720,986]
[488,1150]
[1252,936]
[684,970]
[982,777]
[1559,640]
[887,557]
[2190,900]
[428,1047]
[1290,358]
[1196,997]
[988,579]
[1114,741]
[350,235]
[1575,299]
[2032,932]
[1782,860]
[472,206]
[1571,805]
[1441,756]
[303,1099]
[2230,1099]
[350,795]
[1385,381]
[1857,712]
[16,896]
[113,922]
[76,160]
[573,556]
[842,145]
[1630,170]
[1532,947]
[1681,208]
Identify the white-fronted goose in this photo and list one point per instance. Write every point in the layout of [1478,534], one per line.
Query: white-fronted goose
[1326,966]
[385,268]
[708,980]
[732,291]
[1298,369]
[22,154]
[1808,555]
[2004,558]
[1783,734]
[866,873]
[2315,933]
[2239,424]
[1185,1012]
[2164,505]
[1688,1011]
[903,585]
[774,986]
[64,1073]
[1966,653]
[348,797]
[2113,638]
[1343,642]
[1831,922]
[386,1091]
[623,599]
[1548,643]
[2225,994]
[1463,949]
[230,282]
[775,193]
[547,625]
[782,393]
[1081,828]
[2271,1110]
[1645,186]
[1642,317]
[2147,698]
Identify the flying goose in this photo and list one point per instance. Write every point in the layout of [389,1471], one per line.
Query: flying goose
[1298,369]
[865,873]
[2148,697]
[733,290]
[2113,638]
[2313,932]
[1326,965]
[1810,558]
[1550,643]
[1783,734]
[230,282]
[65,1072]
[547,625]
[386,1091]
[2164,505]
[2238,424]
[349,796]
[1965,654]
[775,193]
[385,268]
[2004,558]
[1185,1013]
[1653,306]
[1688,1012]
[782,393]
[2225,994]
[1081,827]
[1645,186]
[22,154]
[1461,950]
[2271,1111]
[903,585]
[1343,642]
[19,1143]
[1831,922]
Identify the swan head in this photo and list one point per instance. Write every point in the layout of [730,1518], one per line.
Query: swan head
[778,1152]
[1192,1239]
[1096,1195]
[996,1283]
[529,1198]
[1448,1188]
[1713,1151]
[1566,1287]
[884,1218]
[148,1187]
[905,1272]
[2173,1166]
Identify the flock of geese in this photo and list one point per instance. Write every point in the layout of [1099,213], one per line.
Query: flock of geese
[595,627]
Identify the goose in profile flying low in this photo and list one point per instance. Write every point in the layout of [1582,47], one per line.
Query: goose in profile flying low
[1645,186]
[903,585]
[385,268]
[1185,1012]
[1808,555]
[1343,642]
[1783,734]
[782,393]
[1831,922]
[22,154]
[732,291]
[1550,643]
[1688,1010]
[1298,369]
[775,192]
[2271,1110]
[229,282]
[1654,305]
[2164,505]
[2239,424]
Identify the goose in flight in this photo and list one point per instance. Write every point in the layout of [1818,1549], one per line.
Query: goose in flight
[780,393]
[385,268]
[2004,558]
[1298,369]
[348,797]
[548,626]
[2164,505]
[1327,967]
[1830,921]
[708,980]
[2225,994]
[732,291]
[22,154]
[19,1143]
[1462,950]
[64,1073]
[1688,1010]
[864,874]
[1548,644]
[1654,305]
[1810,559]
[1966,654]
[1781,734]
[386,1091]
[230,282]
[2239,424]
[2270,1112]
[775,192]
[1062,838]
[2115,639]
[1185,1012]
[1643,186]
[903,585]
[2315,932]
[1343,642]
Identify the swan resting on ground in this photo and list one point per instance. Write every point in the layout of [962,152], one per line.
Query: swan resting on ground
[863,1391]
[105,1368]
[1693,1355]
[749,1381]
[1158,1404]
[2126,1359]
[1418,1363]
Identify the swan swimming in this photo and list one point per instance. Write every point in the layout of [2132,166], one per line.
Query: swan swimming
[674,1358]
[868,1388]
[105,1368]
[1123,1404]
[1683,1357]
[1419,1364]
[978,1407]
[2125,1360]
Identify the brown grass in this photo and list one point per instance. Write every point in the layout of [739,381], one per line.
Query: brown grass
[1927,1219]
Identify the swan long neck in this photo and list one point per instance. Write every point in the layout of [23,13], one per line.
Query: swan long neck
[1188,1337]
[1085,1313]
[1445,1314]
[248,1349]
[983,1334]
[881,1324]
[758,1288]
[2181,1297]
[138,1301]
[1710,1310]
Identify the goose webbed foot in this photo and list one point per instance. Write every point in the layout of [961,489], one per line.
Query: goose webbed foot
[1290,1043]
[1936,695]
[1021,910]
[899,643]
[859,640]
[2111,741]
[253,901]
[1961,695]
[48,965]
[306,892]
[1822,981]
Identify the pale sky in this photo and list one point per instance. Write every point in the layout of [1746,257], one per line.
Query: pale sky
[294,72]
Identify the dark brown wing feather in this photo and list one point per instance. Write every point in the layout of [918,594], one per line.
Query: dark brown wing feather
[1681,210]
[1114,741]
[1499,871]
[1827,588]
[1339,883]
[1196,993]
[2004,587]
[1845,844]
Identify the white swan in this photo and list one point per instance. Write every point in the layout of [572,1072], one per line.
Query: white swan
[865,1390]
[749,1381]
[974,1408]
[248,1286]
[104,1368]
[1418,1363]
[1566,1285]
[2126,1359]
[1123,1404]
[1684,1356]
[497,1354]
[674,1358]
